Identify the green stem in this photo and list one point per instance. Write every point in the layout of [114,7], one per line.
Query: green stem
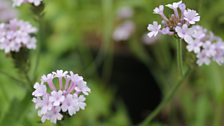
[164,102]
[180,56]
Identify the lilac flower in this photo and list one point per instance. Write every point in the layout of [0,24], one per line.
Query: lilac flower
[191,16]
[15,35]
[7,12]
[20,2]
[69,104]
[124,31]
[183,32]
[209,49]
[177,23]
[166,31]
[174,6]
[40,90]
[159,10]
[57,97]
[54,114]
[154,29]
[203,58]
[194,46]
[219,56]
[69,97]
[206,46]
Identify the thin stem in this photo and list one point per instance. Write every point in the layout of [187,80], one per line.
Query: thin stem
[180,56]
[164,102]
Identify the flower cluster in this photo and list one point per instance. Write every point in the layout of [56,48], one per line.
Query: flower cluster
[20,2]
[124,31]
[205,45]
[66,94]
[181,17]
[181,23]
[17,34]
[7,12]
[126,26]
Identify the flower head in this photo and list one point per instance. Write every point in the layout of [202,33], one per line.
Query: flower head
[20,2]
[15,35]
[154,29]
[177,23]
[124,31]
[7,12]
[68,97]
[206,46]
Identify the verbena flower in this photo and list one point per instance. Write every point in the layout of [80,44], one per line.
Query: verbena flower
[17,34]
[20,2]
[7,12]
[124,31]
[59,92]
[181,23]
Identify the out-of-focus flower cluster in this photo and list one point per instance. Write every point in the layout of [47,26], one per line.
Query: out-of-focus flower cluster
[65,93]
[124,30]
[205,45]
[17,34]
[20,2]
[181,23]
[7,12]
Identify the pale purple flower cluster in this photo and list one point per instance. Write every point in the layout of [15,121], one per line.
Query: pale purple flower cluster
[182,17]
[127,27]
[124,31]
[17,34]
[205,45]
[60,92]
[20,2]
[7,12]
[181,23]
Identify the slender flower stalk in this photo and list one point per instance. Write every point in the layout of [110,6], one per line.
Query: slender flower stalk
[180,56]
[167,98]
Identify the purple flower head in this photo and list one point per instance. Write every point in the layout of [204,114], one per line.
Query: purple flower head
[7,12]
[177,23]
[124,31]
[20,2]
[66,96]
[15,35]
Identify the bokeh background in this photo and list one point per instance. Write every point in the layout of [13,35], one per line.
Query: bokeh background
[103,40]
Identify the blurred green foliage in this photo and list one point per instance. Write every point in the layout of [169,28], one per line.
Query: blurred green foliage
[70,29]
